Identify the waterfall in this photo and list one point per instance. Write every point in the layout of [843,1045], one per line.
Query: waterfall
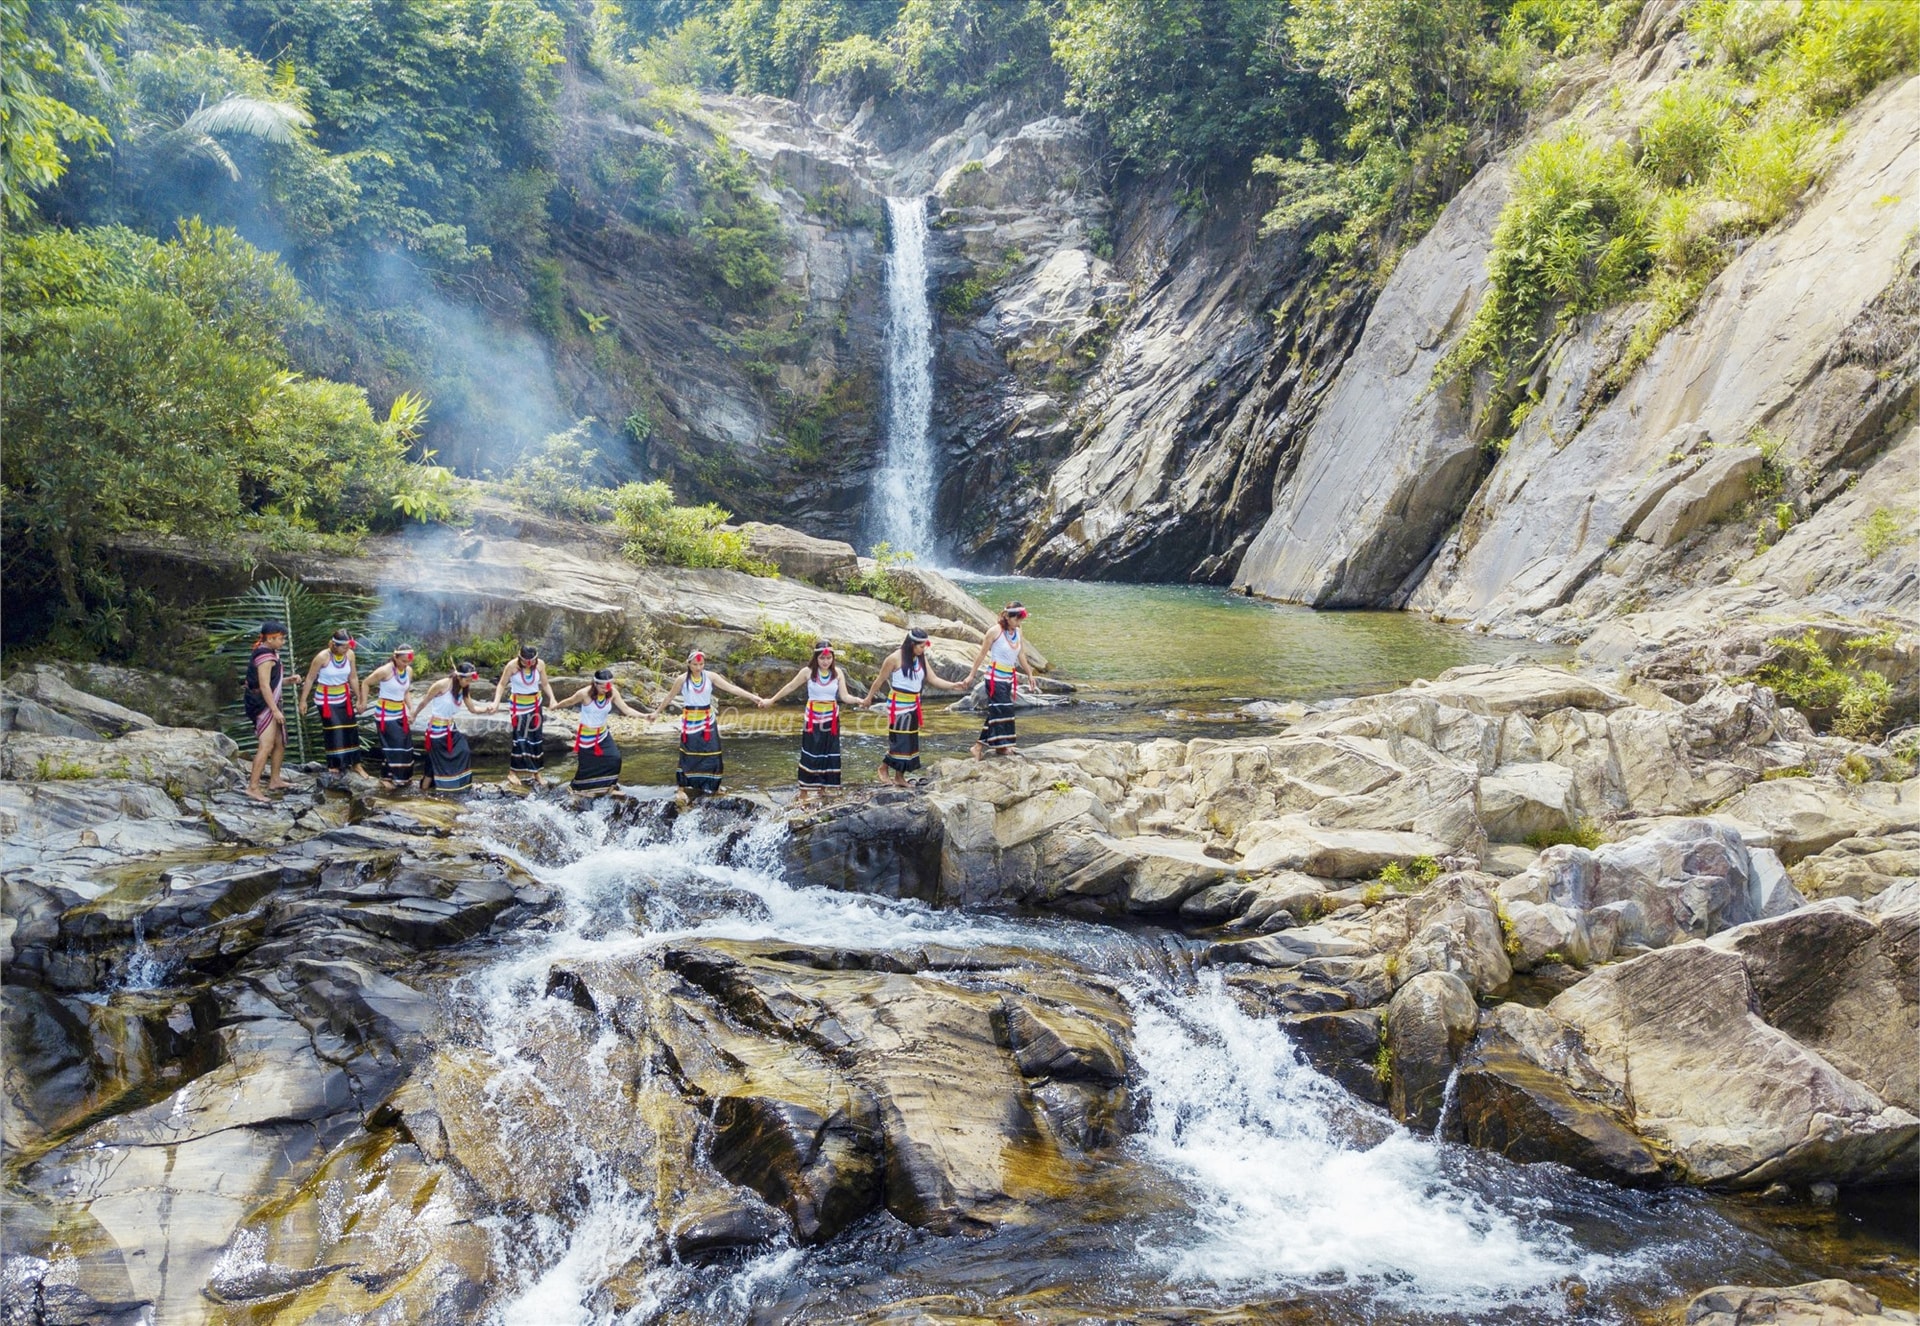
[902,511]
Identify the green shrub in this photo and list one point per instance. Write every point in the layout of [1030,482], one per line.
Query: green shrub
[659,532]
[488,653]
[554,476]
[1886,528]
[1847,699]
[1423,870]
[782,640]
[1768,165]
[1581,833]
[741,242]
[1572,238]
[1394,876]
[880,582]
[1681,141]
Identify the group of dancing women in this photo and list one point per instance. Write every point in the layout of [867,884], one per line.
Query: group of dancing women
[336,692]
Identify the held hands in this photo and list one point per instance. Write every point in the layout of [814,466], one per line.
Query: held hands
[763,702]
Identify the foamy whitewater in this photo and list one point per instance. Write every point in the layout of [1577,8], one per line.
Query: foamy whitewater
[903,489]
[1284,1183]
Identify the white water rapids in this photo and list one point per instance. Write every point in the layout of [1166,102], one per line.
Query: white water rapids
[1271,1180]
[902,511]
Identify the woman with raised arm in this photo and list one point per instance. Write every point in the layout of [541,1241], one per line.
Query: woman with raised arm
[906,673]
[332,679]
[530,694]
[1004,651]
[262,694]
[449,757]
[826,683]
[597,760]
[700,760]
[390,683]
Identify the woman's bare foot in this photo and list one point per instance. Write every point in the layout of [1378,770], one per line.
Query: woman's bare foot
[255,794]
[977,750]
[282,785]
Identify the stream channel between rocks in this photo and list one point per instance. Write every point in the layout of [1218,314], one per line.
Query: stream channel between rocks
[1252,1182]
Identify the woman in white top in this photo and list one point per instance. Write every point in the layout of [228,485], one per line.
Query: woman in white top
[1004,652]
[597,760]
[700,760]
[826,683]
[391,681]
[449,758]
[906,674]
[526,687]
[332,679]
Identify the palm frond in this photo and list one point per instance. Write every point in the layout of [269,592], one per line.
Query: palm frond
[311,616]
[255,117]
[201,145]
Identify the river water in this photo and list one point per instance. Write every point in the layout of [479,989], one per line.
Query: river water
[1257,1190]
[1147,661]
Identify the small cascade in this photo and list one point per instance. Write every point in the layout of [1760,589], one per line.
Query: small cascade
[1448,1096]
[1265,1176]
[901,513]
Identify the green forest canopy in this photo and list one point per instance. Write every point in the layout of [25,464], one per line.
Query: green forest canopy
[231,221]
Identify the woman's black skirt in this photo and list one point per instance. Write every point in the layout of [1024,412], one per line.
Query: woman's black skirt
[820,756]
[997,732]
[529,751]
[449,761]
[340,727]
[903,738]
[700,762]
[598,767]
[396,751]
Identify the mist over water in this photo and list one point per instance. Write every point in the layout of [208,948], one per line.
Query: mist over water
[902,510]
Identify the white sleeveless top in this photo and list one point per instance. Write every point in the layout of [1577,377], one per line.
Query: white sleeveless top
[1005,650]
[595,714]
[334,673]
[441,708]
[397,686]
[902,682]
[696,694]
[824,692]
[521,683]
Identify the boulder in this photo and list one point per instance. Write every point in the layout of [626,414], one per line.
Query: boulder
[1736,1100]
[1428,1024]
[1292,844]
[1819,1303]
[1528,1091]
[1799,817]
[190,759]
[825,562]
[1859,867]
[1531,690]
[44,682]
[1455,927]
[20,714]
[1684,880]
[170,699]
[1518,801]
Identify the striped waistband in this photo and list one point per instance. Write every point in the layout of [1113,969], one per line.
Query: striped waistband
[520,702]
[438,725]
[904,697]
[587,732]
[333,692]
[822,706]
[1001,674]
[392,707]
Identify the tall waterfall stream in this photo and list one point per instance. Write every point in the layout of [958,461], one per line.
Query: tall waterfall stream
[902,513]
[1253,1182]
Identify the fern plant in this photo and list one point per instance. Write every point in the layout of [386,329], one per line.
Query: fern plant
[311,617]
